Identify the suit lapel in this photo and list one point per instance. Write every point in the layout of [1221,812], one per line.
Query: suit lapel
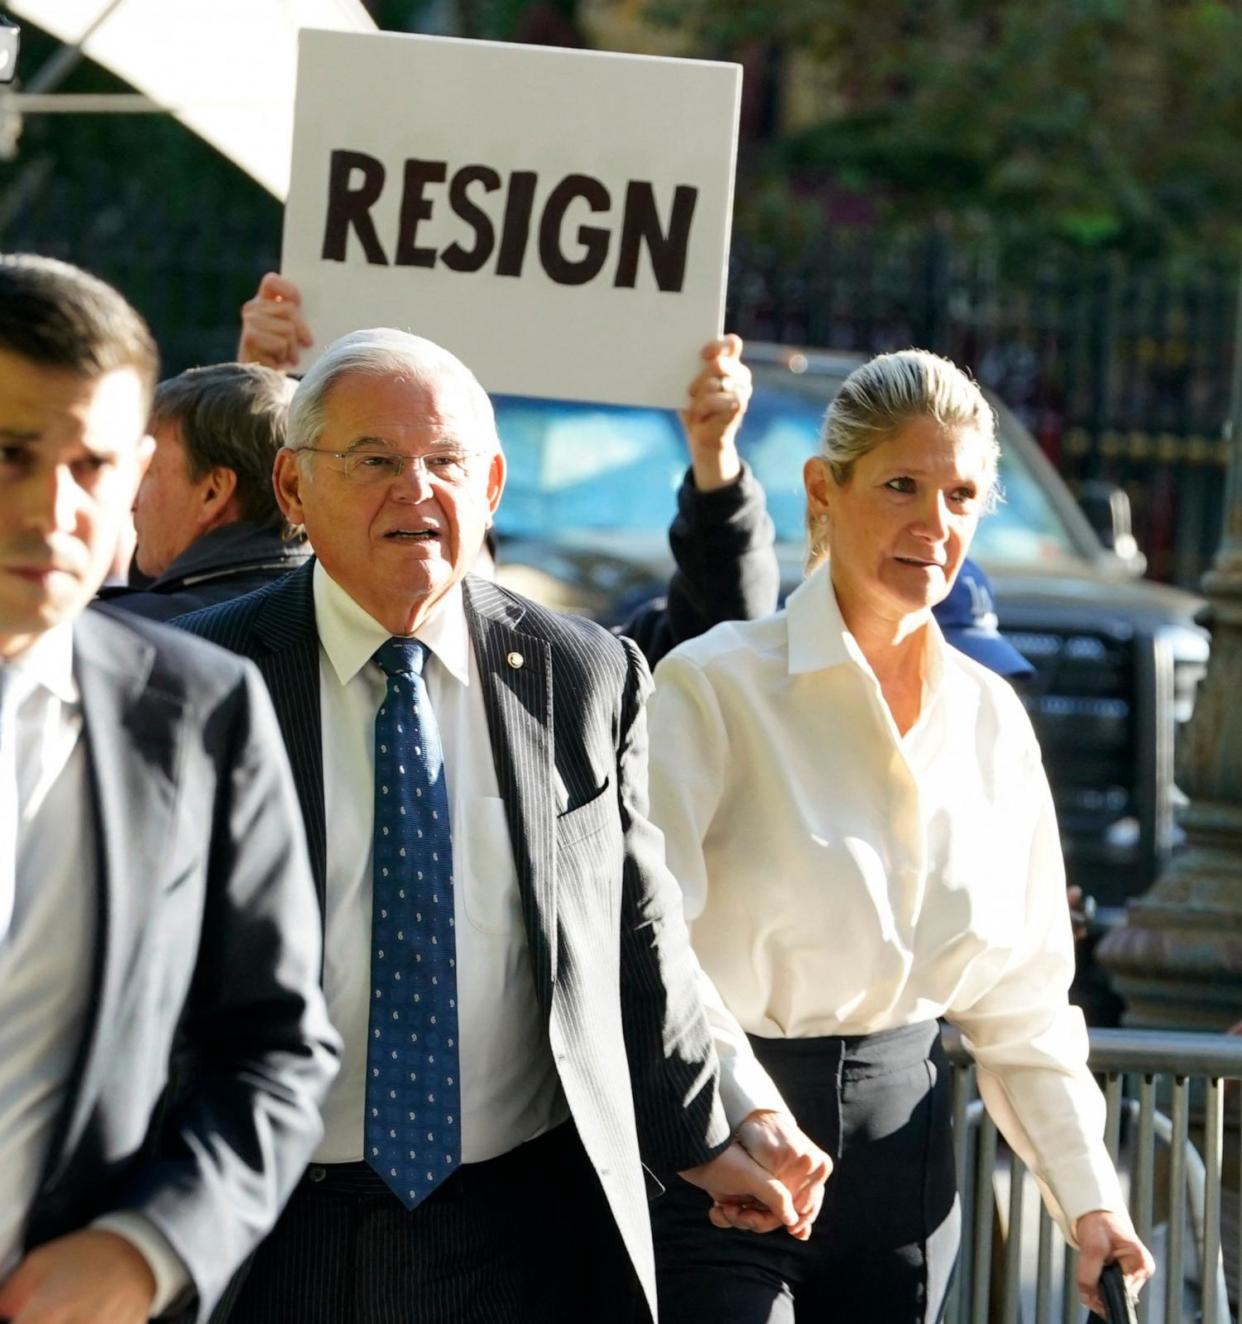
[132,735]
[516,673]
[288,657]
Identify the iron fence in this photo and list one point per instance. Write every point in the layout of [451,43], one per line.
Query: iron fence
[1166,1125]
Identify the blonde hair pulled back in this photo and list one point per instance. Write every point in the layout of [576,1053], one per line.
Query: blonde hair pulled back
[879,398]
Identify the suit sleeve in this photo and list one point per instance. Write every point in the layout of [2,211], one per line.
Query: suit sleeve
[260,1053]
[724,546]
[673,1067]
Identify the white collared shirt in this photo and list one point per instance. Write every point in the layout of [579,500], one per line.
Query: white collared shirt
[841,879]
[509,1088]
[47,955]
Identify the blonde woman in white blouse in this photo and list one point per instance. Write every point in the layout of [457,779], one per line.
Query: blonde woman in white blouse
[860,820]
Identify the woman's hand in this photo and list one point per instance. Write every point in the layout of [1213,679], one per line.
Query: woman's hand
[1105,1237]
[743,1194]
[779,1145]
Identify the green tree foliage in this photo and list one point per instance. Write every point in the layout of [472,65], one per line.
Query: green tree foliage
[1103,122]
[547,22]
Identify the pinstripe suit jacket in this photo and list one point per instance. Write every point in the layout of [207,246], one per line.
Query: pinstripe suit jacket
[603,917]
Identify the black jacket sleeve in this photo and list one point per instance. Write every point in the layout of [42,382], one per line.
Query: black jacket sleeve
[724,546]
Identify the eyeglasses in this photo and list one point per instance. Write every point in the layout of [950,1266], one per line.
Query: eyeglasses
[367,466]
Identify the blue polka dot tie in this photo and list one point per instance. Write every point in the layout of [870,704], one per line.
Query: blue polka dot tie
[413,1122]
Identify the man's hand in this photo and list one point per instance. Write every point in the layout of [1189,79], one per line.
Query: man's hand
[745,1195]
[718,399]
[779,1145]
[273,330]
[88,1277]
[1105,1237]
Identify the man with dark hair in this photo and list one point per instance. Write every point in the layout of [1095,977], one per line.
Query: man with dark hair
[209,528]
[153,875]
[60,317]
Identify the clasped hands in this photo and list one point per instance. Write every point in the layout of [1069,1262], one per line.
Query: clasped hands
[772,1175]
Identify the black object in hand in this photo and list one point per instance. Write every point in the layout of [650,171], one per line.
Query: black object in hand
[1118,1305]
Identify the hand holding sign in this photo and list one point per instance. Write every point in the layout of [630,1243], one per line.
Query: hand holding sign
[718,399]
[273,328]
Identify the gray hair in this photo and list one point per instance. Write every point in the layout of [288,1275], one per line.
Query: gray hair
[231,416]
[880,397]
[381,352]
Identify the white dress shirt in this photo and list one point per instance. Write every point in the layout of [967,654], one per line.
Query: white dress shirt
[841,879]
[47,955]
[510,1092]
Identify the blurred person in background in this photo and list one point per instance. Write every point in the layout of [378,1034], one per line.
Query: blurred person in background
[207,524]
[967,619]
[865,838]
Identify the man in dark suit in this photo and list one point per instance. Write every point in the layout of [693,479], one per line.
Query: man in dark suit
[207,522]
[153,880]
[505,951]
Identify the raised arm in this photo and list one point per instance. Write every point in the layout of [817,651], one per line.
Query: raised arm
[273,330]
[722,537]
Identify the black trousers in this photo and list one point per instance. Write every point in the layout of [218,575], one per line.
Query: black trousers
[885,1244]
[526,1238]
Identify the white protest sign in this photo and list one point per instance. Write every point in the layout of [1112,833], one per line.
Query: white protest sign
[558,219]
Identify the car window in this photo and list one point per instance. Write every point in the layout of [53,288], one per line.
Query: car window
[577,467]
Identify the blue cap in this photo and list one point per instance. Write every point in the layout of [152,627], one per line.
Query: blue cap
[968,619]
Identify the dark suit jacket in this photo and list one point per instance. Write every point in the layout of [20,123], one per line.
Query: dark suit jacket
[603,917]
[223,564]
[205,919]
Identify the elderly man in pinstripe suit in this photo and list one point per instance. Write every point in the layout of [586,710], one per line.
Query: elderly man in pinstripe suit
[505,953]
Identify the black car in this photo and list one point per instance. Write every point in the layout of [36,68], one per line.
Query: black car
[584,527]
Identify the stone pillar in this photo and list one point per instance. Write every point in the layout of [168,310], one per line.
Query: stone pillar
[1177,960]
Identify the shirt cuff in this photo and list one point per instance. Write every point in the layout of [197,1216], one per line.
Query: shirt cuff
[1090,1183]
[172,1278]
[745,1087]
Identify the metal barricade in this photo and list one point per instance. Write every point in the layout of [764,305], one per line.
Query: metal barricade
[1165,1095]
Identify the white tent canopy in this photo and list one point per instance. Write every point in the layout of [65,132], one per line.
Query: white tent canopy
[225,68]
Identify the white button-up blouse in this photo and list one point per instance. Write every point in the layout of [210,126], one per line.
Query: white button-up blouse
[841,879]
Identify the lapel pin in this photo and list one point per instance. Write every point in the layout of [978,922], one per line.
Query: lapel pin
[515,660]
